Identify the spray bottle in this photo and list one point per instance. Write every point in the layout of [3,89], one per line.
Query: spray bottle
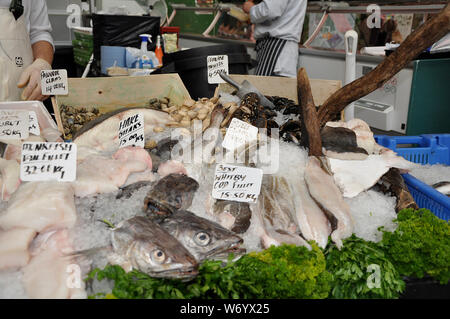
[158,51]
[145,58]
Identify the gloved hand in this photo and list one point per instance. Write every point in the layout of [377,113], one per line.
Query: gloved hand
[31,77]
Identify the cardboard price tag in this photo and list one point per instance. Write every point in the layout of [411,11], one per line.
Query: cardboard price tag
[239,133]
[14,124]
[42,161]
[217,64]
[54,82]
[33,123]
[131,131]
[237,183]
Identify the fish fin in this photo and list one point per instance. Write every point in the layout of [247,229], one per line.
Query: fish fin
[88,252]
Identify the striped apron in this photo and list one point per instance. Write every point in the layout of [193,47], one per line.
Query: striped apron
[268,51]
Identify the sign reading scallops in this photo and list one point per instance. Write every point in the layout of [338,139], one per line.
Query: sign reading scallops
[48,161]
[217,64]
[131,131]
[54,82]
[237,183]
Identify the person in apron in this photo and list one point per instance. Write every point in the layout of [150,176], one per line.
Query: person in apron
[278,28]
[26,48]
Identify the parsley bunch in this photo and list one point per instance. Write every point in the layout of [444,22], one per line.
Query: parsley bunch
[286,271]
[362,270]
[420,245]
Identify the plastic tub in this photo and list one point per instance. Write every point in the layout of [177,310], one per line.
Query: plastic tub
[191,65]
[424,149]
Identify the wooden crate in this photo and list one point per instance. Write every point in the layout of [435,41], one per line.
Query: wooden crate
[111,93]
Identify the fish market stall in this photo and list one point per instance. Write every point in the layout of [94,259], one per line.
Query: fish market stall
[268,194]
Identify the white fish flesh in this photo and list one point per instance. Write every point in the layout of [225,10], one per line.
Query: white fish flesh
[322,188]
[50,274]
[14,247]
[274,213]
[356,176]
[10,178]
[312,221]
[102,133]
[171,167]
[98,174]
[40,206]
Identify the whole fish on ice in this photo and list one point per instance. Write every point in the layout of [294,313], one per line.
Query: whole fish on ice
[139,243]
[203,238]
[103,133]
[442,187]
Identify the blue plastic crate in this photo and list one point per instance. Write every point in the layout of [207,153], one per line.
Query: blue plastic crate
[431,149]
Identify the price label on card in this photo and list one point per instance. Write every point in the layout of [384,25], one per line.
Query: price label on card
[14,124]
[237,183]
[48,162]
[131,131]
[54,82]
[33,123]
[239,133]
[217,64]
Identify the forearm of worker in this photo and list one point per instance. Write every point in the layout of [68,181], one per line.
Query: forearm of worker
[267,10]
[43,50]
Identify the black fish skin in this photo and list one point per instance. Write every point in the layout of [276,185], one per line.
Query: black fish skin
[340,140]
[172,192]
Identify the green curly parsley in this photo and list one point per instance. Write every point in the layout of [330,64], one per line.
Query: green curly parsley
[420,245]
[286,271]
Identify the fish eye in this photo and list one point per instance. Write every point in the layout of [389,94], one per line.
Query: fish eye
[158,256]
[202,238]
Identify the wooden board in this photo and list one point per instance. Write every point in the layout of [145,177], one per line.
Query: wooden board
[111,93]
[284,87]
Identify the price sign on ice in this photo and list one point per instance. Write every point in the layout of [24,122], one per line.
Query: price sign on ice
[14,124]
[54,82]
[239,133]
[237,183]
[43,161]
[131,131]
[217,64]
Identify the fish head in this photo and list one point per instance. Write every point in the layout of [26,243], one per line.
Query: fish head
[203,238]
[158,260]
[151,249]
[174,190]
[237,215]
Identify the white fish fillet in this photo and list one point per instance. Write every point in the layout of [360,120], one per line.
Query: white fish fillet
[356,176]
[98,174]
[40,206]
[50,274]
[275,214]
[14,247]
[322,188]
[105,135]
[10,178]
[312,221]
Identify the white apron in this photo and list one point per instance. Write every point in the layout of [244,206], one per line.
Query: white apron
[15,54]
